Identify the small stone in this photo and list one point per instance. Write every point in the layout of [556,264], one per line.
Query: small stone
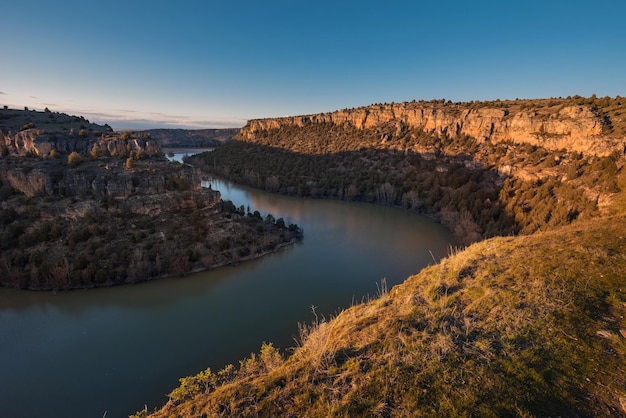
[603,334]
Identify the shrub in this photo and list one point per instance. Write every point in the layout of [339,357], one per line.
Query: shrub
[95,151]
[74,159]
[28,125]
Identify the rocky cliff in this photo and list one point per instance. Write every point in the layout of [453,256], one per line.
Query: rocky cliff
[41,144]
[98,170]
[96,178]
[40,134]
[553,125]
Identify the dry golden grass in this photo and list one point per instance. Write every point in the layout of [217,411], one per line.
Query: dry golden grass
[519,326]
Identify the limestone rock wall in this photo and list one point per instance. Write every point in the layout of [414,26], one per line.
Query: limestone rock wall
[53,178]
[575,128]
[31,142]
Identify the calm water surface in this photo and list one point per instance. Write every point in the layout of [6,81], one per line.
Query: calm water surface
[110,351]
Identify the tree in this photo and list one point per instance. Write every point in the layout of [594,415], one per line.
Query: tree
[95,151]
[74,159]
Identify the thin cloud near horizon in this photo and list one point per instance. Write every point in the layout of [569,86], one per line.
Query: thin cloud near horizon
[161,121]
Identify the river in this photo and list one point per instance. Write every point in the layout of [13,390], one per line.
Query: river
[107,352]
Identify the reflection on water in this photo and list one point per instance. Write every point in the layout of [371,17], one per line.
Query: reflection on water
[82,353]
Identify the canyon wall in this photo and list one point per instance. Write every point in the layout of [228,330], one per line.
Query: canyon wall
[31,142]
[575,128]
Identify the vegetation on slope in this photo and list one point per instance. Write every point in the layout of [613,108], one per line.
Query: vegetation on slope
[476,187]
[100,209]
[467,186]
[483,333]
[191,138]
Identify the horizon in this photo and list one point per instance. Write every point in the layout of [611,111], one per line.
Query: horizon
[207,66]
[138,125]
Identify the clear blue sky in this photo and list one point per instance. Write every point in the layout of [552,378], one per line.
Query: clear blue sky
[140,64]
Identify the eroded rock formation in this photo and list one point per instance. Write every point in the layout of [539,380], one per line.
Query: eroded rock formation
[572,127]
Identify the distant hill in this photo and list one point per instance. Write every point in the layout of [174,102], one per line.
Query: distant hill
[191,138]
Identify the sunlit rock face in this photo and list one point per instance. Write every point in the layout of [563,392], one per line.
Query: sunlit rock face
[32,142]
[575,128]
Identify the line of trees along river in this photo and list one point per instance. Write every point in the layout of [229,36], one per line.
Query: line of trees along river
[112,350]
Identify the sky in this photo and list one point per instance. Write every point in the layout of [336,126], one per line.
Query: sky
[139,64]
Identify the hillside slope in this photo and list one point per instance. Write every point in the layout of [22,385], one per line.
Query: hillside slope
[82,207]
[518,326]
[563,166]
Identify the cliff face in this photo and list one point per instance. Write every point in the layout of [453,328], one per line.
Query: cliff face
[572,127]
[32,142]
[31,133]
[94,178]
[47,139]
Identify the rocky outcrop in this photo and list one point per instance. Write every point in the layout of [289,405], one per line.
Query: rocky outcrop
[40,134]
[33,142]
[95,178]
[574,127]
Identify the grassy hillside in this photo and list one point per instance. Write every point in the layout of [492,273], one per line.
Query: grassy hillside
[517,326]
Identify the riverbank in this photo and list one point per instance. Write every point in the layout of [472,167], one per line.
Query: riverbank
[85,246]
[146,337]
